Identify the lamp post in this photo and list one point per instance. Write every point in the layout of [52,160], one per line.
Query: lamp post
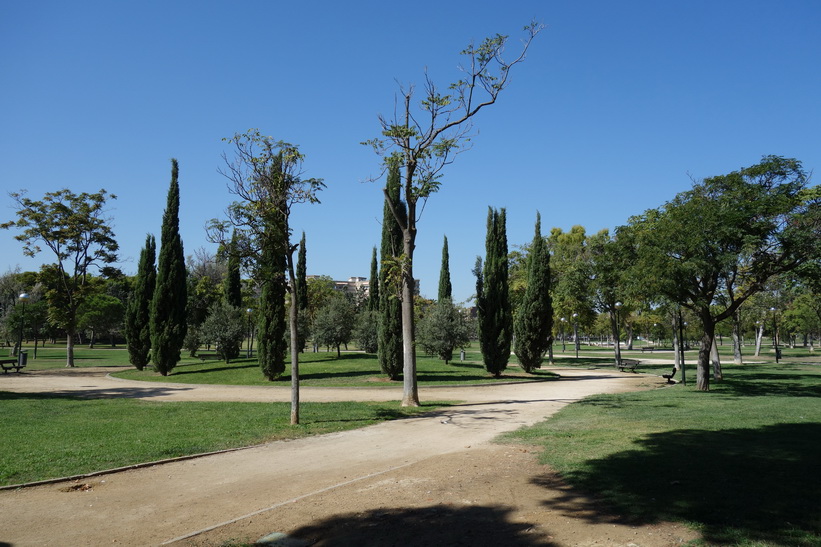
[617,344]
[248,312]
[563,320]
[655,334]
[775,337]
[23,298]
[576,333]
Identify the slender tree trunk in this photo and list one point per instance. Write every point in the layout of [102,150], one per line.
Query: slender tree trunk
[676,346]
[628,328]
[716,361]
[410,392]
[295,343]
[69,349]
[759,335]
[614,326]
[704,351]
[737,358]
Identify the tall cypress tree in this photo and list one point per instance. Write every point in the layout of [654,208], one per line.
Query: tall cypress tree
[271,325]
[493,302]
[445,295]
[390,305]
[233,280]
[534,320]
[138,311]
[168,313]
[301,295]
[445,287]
[373,284]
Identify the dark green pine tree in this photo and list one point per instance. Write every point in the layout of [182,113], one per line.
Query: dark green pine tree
[232,288]
[534,321]
[233,280]
[390,306]
[493,301]
[138,311]
[272,327]
[373,284]
[301,292]
[445,287]
[168,307]
[445,293]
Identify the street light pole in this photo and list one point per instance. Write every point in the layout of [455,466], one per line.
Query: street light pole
[248,312]
[576,333]
[563,320]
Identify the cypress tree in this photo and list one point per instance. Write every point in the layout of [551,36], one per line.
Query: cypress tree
[495,318]
[373,284]
[301,295]
[445,297]
[390,306]
[534,320]
[137,318]
[168,307]
[233,281]
[445,287]
[272,327]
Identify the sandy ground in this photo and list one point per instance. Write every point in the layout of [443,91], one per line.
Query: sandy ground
[437,479]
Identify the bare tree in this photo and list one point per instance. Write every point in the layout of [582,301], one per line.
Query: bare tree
[427,136]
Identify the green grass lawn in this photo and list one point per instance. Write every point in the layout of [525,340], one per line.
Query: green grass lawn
[740,462]
[56,435]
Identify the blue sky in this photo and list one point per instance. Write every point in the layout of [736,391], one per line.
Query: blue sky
[618,105]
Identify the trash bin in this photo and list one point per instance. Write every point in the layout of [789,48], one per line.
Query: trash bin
[462,355]
[22,358]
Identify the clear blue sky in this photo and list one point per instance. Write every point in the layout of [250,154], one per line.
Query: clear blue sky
[616,107]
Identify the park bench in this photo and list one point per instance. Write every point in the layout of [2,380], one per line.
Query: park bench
[204,356]
[647,348]
[628,365]
[669,377]
[17,363]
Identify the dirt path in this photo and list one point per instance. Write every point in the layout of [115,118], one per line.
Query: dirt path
[431,480]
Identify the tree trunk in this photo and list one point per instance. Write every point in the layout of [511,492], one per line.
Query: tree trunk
[676,346]
[737,358]
[294,316]
[410,392]
[717,374]
[69,349]
[759,334]
[614,326]
[704,351]
[628,328]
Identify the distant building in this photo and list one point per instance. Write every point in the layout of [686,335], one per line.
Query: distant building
[360,287]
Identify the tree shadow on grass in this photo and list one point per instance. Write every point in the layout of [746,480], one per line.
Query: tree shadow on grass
[474,526]
[753,485]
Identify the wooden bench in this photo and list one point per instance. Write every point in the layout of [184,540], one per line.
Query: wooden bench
[628,365]
[204,356]
[9,364]
[647,348]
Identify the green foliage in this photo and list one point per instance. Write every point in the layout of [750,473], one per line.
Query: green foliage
[445,286]
[137,317]
[492,298]
[233,281]
[74,227]
[366,333]
[390,305]
[373,287]
[442,329]
[534,319]
[225,328]
[334,323]
[102,314]
[168,306]
[271,326]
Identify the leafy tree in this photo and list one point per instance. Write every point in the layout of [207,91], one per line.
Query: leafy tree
[390,305]
[333,324]
[225,328]
[267,176]
[168,306]
[424,141]
[727,237]
[74,227]
[534,318]
[442,329]
[492,299]
[233,279]
[610,259]
[137,327]
[366,333]
[102,314]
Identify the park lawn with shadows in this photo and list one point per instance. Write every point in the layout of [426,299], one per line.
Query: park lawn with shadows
[58,435]
[352,369]
[740,463]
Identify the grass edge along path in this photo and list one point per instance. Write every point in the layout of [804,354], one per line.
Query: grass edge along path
[739,463]
[55,436]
